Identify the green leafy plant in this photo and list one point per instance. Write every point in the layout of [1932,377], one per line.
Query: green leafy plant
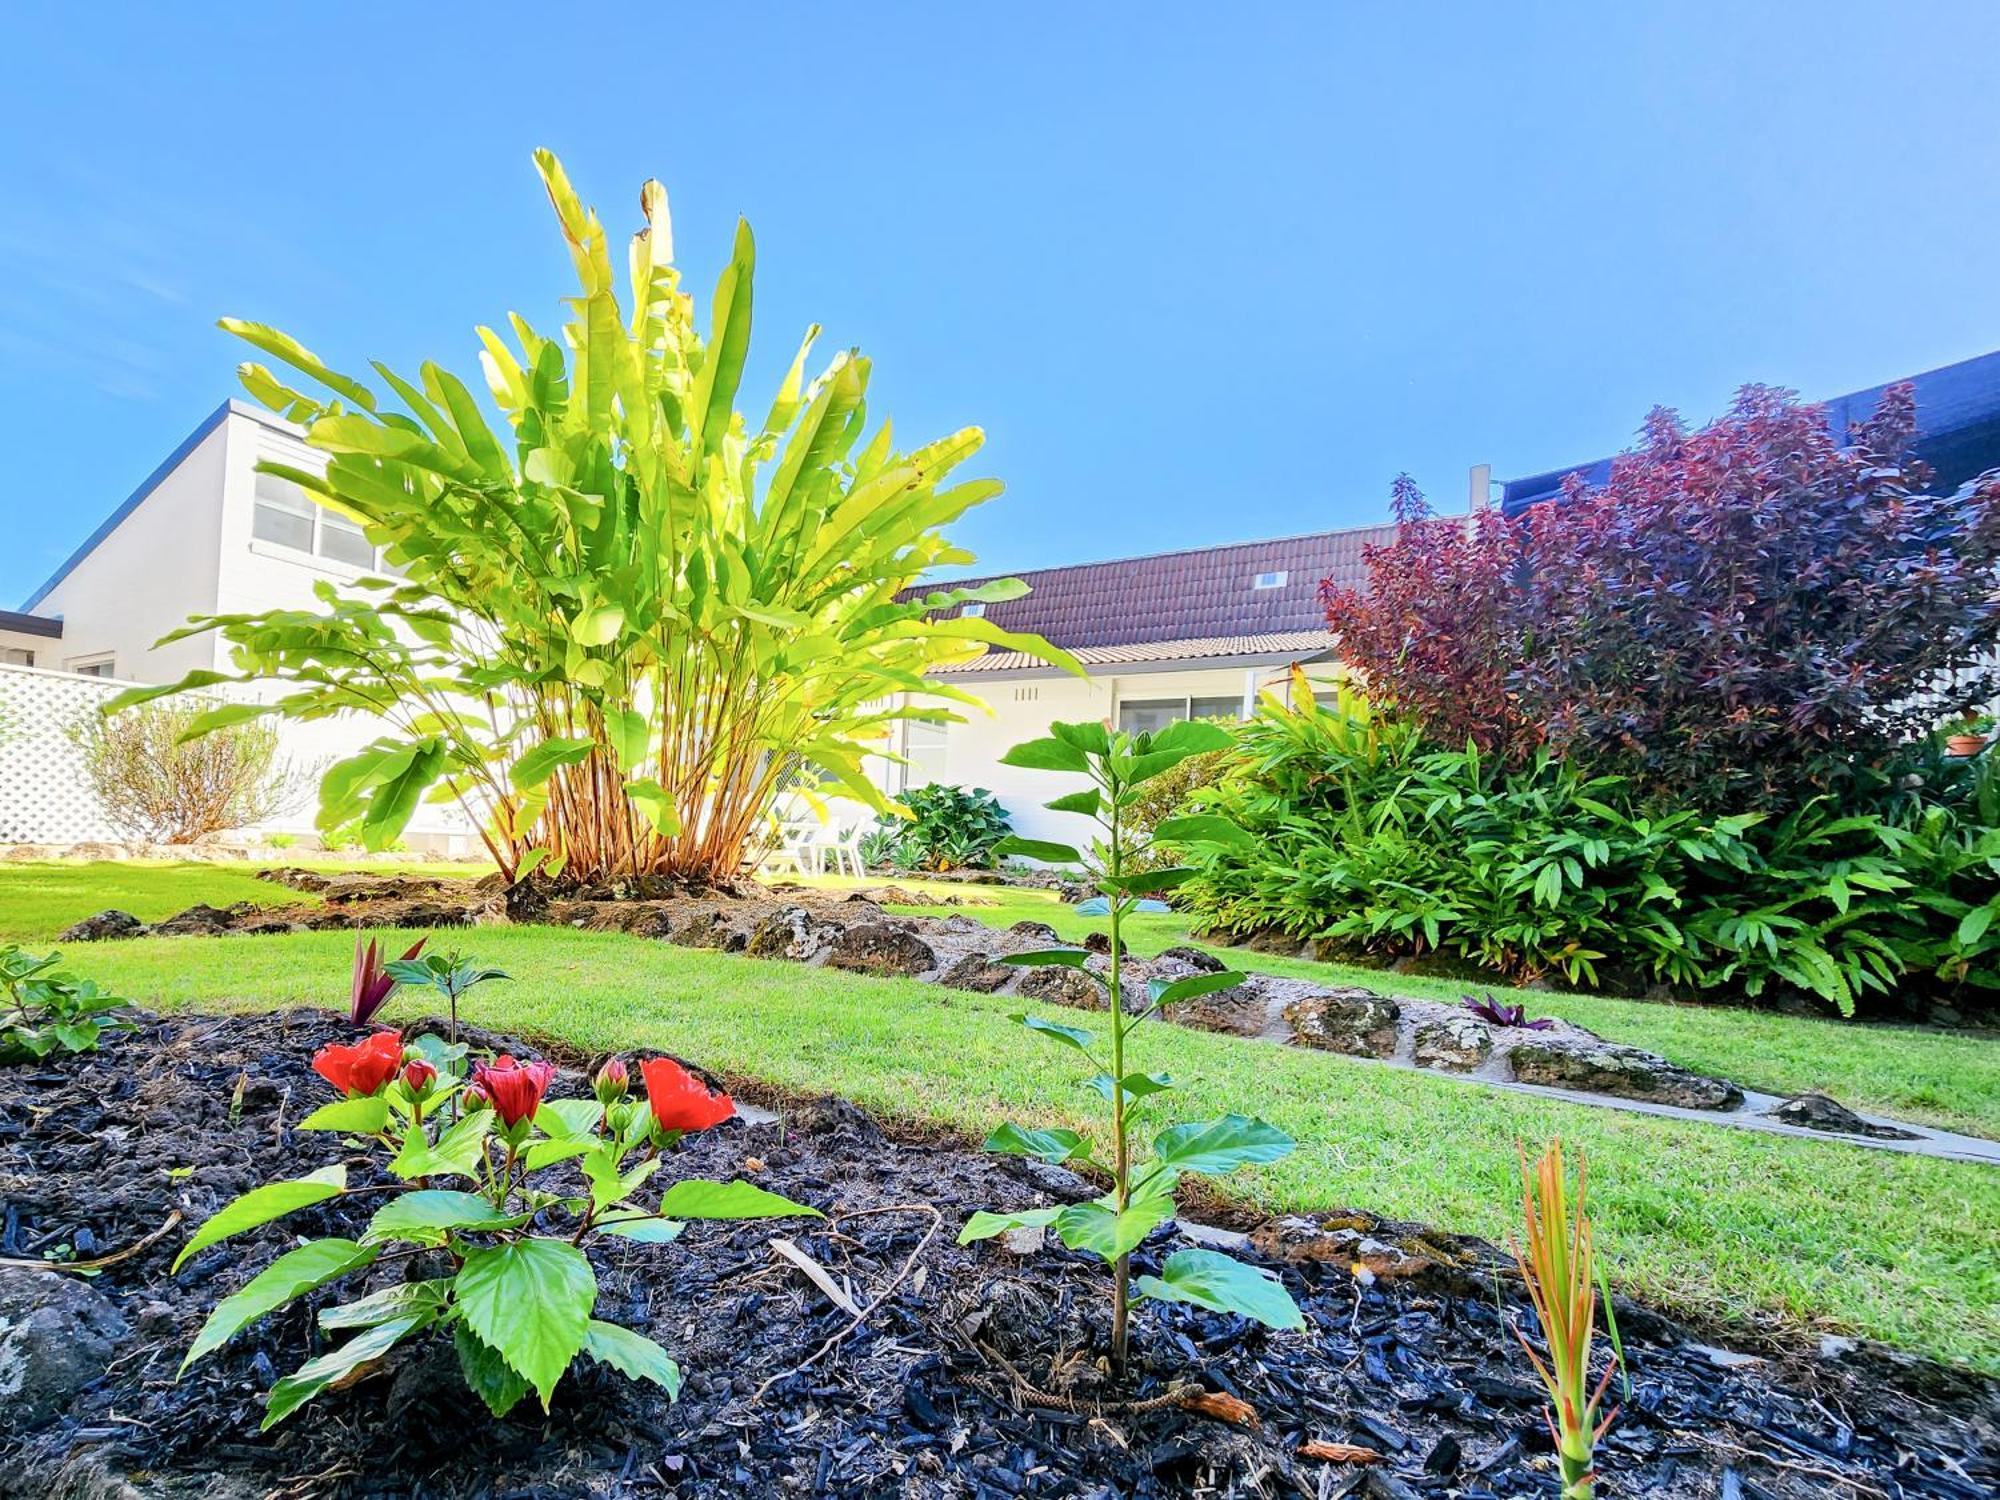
[1178,789]
[49,1010]
[1560,1268]
[450,974]
[280,840]
[948,828]
[1112,1226]
[622,628]
[506,1246]
[157,783]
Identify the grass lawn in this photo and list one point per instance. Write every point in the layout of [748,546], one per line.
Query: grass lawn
[1762,1230]
[39,899]
[1933,1077]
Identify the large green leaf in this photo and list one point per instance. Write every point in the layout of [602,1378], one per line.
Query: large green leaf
[983,1226]
[1212,1147]
[350,1116]
[1166,992]
[391,1302]
[427,1216]
[1042,958]
[1201,828]
[1053,1146]
[550,756]
[1102,1230]
[693,1198]
[263,1204]
[458,1152]
[1045,755]
[633,1355]
[315,1375]
[1210,1279]
[1071,1036]
[1046,850]
[489,1376]
[530,1300]
[292,1274]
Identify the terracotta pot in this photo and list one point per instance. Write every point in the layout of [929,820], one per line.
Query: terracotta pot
[1965,744]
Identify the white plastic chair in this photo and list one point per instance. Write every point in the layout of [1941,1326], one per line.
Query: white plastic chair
[846,848]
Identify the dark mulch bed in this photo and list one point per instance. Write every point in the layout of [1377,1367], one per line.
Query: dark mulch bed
[1421,1368]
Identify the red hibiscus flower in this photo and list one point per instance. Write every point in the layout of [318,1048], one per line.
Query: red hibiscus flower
[361,1068]
[680,1100]
[514,1089]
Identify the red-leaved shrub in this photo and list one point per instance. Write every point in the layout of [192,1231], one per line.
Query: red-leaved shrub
[1740,616]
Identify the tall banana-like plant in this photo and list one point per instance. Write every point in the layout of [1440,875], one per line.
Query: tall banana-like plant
[618,632]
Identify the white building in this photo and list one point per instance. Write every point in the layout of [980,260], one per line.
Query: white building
[1175,635]
[204,534]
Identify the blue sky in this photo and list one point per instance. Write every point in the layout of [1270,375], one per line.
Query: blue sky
[1202,272]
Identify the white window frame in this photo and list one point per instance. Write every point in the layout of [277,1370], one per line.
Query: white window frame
[316,548]
[98,664]
[1275,579]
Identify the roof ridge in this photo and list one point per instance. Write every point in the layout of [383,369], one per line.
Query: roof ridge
[1105,562]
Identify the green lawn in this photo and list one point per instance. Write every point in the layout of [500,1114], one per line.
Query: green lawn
[1942,1078]
[39,899]
[1755,1229]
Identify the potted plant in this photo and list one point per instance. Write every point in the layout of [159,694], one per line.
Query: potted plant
[1967,734]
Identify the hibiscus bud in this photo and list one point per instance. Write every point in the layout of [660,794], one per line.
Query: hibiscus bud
[418,1076]
[514,1089]
[611,1082]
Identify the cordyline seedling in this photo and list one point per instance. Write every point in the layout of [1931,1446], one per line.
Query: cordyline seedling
[503,1247]
[1559,1265]
[373,984]
[48,1010]
[1142,1192]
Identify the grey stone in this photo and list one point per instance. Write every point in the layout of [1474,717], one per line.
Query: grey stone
[978,972]
[199,920]
[1625,1072]
[1352,1020]
[1024,1240]
[56,1336]
[790,932]
[877,948]
[706,928]
[1035,932]
[1193,959]
[105,925]
[1240,1010]
[1459,1044]
[1061,985]
[1818,1112]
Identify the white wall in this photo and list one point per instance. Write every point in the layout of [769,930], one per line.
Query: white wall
[154,570]
[1023,709]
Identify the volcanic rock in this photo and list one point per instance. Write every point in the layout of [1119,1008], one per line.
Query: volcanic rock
[1352,1020]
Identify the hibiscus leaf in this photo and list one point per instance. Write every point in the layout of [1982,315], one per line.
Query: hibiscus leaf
[695,1199]
[633,1355]
[263,1204]
[291,1275]
[315,1375]
[530,1300]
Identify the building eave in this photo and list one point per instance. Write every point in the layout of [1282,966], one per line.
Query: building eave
[24,624]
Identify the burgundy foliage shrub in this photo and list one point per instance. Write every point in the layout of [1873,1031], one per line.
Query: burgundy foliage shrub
[1739,617]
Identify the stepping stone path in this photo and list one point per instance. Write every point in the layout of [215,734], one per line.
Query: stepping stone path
[854,933]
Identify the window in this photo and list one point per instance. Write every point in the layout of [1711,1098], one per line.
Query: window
[341,540]
[16,656]
[1270,580]
[283,514]
[93,666]
[973,612]
[923,744]
[1151,715]
[288,516]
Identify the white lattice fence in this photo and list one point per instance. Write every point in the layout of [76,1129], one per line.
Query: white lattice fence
[44,796]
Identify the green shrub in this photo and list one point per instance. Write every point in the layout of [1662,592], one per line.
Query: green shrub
[1174,791]
[156,783]
[949,828]
[1374,840]
[44,1010]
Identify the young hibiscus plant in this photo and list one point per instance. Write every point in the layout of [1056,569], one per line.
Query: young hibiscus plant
[1142,1187]
[492,1194]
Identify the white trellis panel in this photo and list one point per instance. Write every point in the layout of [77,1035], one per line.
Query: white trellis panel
[44,796]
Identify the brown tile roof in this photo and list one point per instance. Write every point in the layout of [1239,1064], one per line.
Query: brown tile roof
[1294,645]
[1202,593]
